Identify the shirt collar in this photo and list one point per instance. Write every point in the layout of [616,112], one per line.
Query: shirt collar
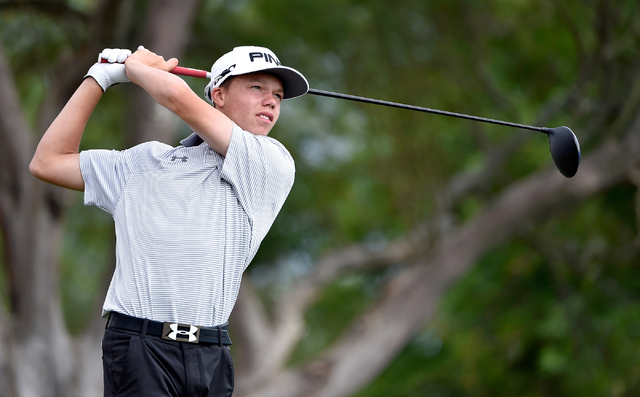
[191,140]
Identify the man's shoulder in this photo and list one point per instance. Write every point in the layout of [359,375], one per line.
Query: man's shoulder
[147,151]
[262,143]
[153,147]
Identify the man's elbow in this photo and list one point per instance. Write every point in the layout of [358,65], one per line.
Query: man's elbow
[63,172]
[37,168]
[41,168]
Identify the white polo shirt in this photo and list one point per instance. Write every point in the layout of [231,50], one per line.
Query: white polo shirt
[188,222]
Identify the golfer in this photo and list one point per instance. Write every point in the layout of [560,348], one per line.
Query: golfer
[188,219]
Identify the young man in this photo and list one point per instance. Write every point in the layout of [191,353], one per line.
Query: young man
[188,219]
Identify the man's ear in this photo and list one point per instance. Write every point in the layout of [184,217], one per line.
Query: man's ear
[218,96]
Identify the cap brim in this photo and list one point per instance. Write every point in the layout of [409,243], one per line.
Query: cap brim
[293,82]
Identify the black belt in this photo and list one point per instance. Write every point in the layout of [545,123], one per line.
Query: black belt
[171,331]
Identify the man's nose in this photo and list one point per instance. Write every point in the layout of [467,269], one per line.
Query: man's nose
[269,99]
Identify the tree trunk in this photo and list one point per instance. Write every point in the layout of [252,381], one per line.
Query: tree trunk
[164,34]
[38,356]
[35,339]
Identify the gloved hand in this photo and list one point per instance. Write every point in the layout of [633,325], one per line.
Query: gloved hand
[112,72]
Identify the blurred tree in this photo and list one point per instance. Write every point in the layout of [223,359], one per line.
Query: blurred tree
[416,255]
[38,356]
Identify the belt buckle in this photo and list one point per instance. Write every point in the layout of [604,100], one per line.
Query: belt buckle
[181,332]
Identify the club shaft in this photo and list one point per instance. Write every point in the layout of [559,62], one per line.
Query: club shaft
[204,74]
[423,109]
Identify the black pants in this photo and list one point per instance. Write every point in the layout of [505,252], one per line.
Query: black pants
[136,365]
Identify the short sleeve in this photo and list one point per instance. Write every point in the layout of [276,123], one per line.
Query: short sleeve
[261,171]
[106,172]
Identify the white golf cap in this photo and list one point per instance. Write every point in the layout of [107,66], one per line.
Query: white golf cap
[249,59]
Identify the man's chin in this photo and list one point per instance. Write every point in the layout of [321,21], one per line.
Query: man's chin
[260,131]
[256,128]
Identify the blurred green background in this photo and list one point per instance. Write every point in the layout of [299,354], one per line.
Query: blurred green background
[553,310]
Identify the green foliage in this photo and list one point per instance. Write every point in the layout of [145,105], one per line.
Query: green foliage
[553,312]
[329,317]
[86,263]
[32,42]
[441,55]
[35,40]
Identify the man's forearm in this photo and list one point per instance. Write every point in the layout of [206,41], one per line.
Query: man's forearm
[155,81]
[56,157]
[65,133]
[149,72]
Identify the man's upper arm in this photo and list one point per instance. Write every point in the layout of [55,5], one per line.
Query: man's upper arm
[209,123]
[174,93]
[62,170]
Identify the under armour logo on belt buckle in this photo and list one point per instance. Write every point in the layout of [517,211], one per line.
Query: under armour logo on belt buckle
[181,332]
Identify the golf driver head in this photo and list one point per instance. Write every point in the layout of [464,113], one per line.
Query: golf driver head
[565,150]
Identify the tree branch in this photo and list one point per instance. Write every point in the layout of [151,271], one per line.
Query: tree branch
[412,297]
[287,329]
[251,328]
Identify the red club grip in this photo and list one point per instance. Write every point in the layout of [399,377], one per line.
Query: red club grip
[182,71]
[203,74]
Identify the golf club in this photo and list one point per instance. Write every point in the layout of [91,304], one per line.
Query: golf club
[563,143]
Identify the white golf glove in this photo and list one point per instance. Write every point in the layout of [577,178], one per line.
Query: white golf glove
[112,72]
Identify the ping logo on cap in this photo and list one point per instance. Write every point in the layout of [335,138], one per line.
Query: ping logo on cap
[266,57]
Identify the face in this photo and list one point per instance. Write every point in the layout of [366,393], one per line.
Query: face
[252,101]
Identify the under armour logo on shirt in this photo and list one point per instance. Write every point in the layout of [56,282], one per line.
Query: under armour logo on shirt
[183,158]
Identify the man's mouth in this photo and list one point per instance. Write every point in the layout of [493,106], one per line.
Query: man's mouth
[265,117]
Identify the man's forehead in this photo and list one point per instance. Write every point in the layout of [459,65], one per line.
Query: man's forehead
[262,77]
